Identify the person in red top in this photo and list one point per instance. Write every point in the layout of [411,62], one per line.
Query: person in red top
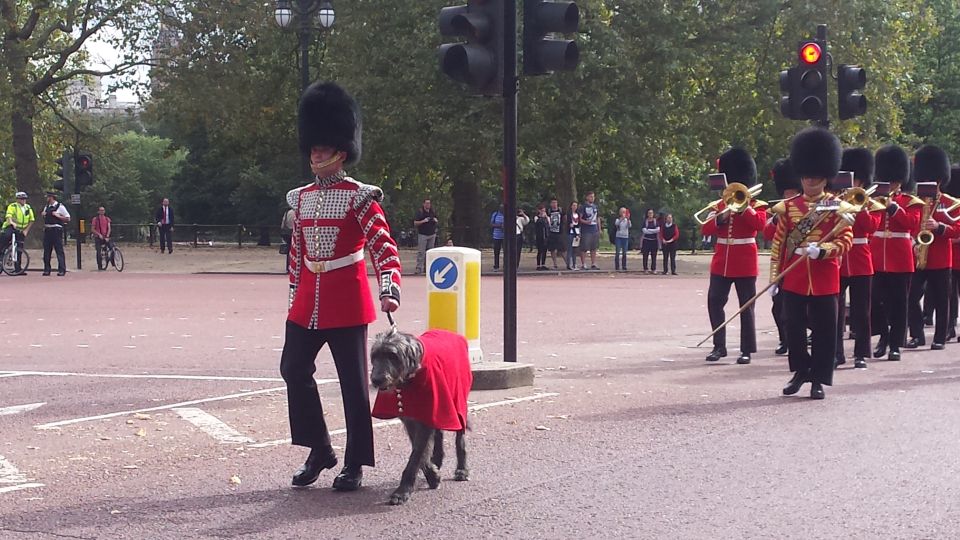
[953,190]
[102,230]
[931,164]
[735,256]
[891,248]
[787,182]
[856,266]
[817,236]
[336,219]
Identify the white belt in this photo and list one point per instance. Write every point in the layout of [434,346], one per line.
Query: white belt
[857,241]
[319,267]
[891,234]
[736,241]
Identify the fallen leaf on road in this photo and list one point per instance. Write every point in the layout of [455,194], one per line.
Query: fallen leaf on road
[104,438]
[141,416]
[560,416]
[33,448]
[141,433]
[235,480]
[542,428]
[129,421]
[115,512]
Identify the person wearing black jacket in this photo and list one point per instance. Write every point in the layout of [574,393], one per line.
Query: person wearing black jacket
[164,219]
[650,242]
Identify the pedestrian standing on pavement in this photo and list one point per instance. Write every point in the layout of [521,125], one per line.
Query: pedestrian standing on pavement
[556,239]
[590,227]
[18,220]
[336,219]
[572,226]
[650,241]
[669,236]
[164,219]
[621,239]
[496,224]
[102,228]
[425,220]
[55,216]
[541,223]
[522,221]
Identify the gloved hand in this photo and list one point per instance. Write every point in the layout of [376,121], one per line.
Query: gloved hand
[775,290]
[892,208]
[814,251]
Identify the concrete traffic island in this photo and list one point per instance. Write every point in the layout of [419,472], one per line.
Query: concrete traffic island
[501,375]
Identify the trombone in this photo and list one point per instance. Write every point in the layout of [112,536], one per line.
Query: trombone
[735,196]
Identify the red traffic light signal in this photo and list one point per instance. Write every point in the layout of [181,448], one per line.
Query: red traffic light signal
[83,166]
[810,53]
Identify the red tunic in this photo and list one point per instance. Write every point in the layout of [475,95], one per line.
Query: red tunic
[337,218]
[813,277]
[940,252]
[735,253]
[437,395]
[892,244]
[858,261]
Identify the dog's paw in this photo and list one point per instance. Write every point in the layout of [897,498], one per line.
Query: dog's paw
[432,475]
[461,475]
[399,497]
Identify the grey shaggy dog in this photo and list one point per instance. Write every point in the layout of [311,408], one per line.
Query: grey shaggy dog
[396,358]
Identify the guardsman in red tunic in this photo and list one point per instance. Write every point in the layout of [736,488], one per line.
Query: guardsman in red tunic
[953,189]
[892,250]
[856,266]
[814,233]
[787,182]
[735,256]
[336,220]
[932,166]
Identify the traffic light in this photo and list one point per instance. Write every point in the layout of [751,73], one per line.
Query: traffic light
[479,61]
[806,84]
[65,170]
[542,55]
[84,171]
[850,101]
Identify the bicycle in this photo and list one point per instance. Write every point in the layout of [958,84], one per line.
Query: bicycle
[12,255]
[110,254]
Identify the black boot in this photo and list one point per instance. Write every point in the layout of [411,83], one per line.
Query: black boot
[318,460]
[860,363]
[894,355]
[349,478]
[839,360]
[744,358]
[792,387]
[781,349]
[881,349]
[716,354]
[816,391]
[913,343]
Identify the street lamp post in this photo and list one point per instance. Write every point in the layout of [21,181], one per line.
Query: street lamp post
[312,15]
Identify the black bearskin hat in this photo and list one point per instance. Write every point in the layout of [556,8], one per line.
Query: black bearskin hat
[953,188]
[816,153]
[859,161]
[329,116]
[784,177]
[892,165]
[931,164]
[737,164]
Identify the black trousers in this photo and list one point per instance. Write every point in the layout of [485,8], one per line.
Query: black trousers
[820,313]
[497,246]
[53,241]
[166,237]
[859,314]
[936,283]
[888,311]
[670,255]
[954,297]
[717,297]
[297,366]
[649,249]
[780,317]
[541,253]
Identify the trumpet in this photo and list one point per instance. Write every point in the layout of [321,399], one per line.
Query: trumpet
[860,198]
[736,197]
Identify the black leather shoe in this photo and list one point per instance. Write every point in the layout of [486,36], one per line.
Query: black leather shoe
[716,354]
[46,273]
[839,361]
[951,333]
[744,358]
[349,478]
[781,349]
[894,355]
[928,321]
[913,343]
[860,363]
[795,383]
[318,460]
[881,349]
[816,391]
[937,347]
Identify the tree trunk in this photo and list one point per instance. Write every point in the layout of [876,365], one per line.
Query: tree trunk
[469,224]
[567,185]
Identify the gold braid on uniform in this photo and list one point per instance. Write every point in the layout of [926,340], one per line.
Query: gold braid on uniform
[779,210]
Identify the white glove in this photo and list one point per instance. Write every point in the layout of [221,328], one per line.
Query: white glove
[774,290]
[814,251]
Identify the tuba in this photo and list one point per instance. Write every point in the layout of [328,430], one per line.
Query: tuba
[736,197]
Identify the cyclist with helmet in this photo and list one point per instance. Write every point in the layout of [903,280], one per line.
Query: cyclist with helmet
[17,221]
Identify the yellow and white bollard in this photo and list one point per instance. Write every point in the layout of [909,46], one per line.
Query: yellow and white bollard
[453,294]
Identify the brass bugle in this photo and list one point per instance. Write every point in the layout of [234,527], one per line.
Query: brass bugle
[736,197]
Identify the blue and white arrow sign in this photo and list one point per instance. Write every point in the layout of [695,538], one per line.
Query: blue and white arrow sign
[443,273]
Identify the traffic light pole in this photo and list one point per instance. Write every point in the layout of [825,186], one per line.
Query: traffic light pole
[510,259]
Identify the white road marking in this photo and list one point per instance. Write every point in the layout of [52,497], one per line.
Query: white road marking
[8,489]
[211,425]
[10,474]
[129,346]
[147,376]
[17,409]
[2,375]
[83,345]
[396,421]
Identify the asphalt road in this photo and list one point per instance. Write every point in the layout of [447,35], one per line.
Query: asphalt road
[150,406]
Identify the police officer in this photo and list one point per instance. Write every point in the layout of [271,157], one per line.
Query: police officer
[55,216]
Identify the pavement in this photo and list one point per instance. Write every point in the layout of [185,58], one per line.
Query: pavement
[149,405]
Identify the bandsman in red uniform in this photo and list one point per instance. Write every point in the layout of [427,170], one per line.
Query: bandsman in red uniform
[953,189]
[931,164]
[735,256]
[891,247]
[336,219]
[810,290]
[856,266]
[787,182]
